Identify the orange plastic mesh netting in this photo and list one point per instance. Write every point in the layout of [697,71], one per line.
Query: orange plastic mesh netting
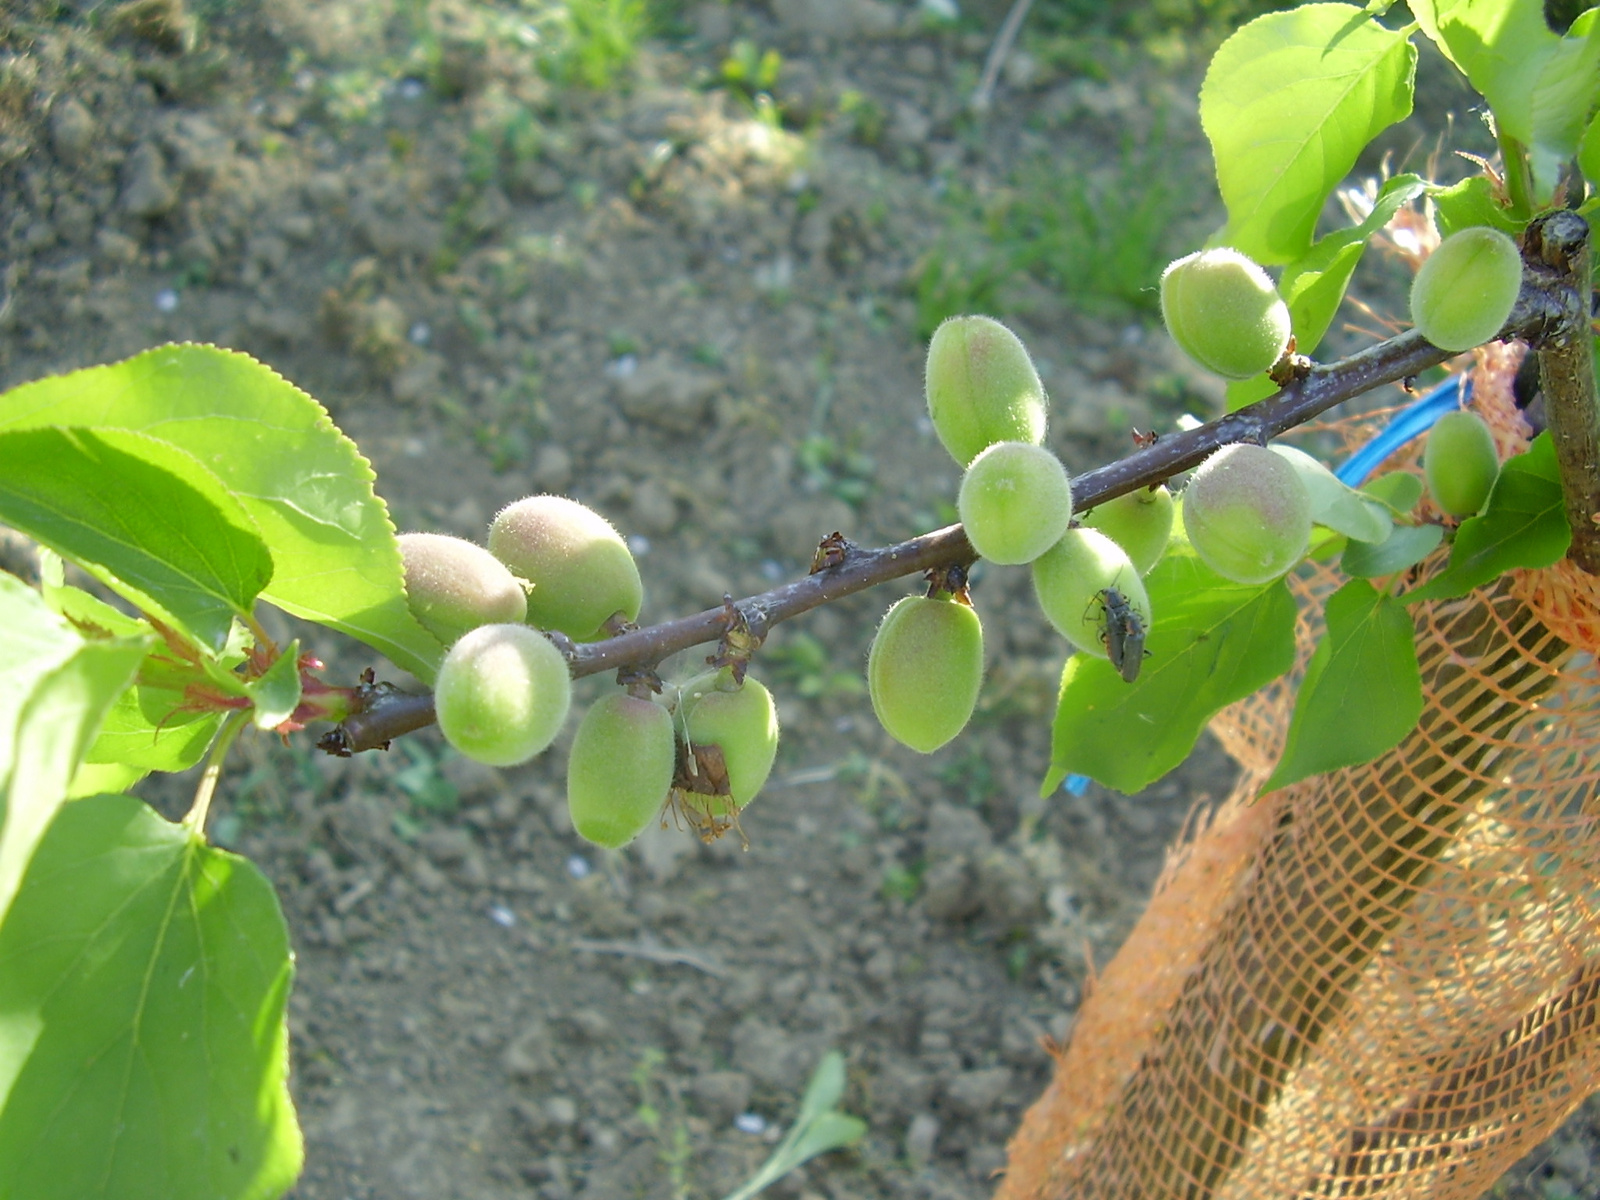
[1384,981]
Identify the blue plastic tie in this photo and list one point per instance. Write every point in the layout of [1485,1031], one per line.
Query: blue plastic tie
[1412,421]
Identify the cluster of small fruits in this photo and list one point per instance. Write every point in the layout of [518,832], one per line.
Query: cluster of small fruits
[504,691]
[704,746]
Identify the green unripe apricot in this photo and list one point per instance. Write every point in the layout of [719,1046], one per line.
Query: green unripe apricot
[454,585]
[742,721]
[1015,502]
[1465,290]
[1460,463]
[1070,580]
[620,769]
[580,568]
[924,670]
[502,694]
[1247,513]
[982,388]
[1139,521]
[1224,312]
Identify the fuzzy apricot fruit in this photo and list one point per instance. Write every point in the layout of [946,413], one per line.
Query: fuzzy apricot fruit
[1466,289]
[454,585]
[1247,514]
[580,568]
[741,720]
[1015,502]
[1139,521]
[502,694]
[924,670]
[1070,581]
[1460,463]
[982,388]
[1224,312]
[620,769]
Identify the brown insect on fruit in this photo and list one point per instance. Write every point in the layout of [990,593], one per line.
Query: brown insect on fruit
[700,796]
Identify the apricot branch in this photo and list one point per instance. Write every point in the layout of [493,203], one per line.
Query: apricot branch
[1558,246]
[1542,309]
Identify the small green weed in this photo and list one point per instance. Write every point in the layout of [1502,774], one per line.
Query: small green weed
[803,664]
[834,469]
[592,42]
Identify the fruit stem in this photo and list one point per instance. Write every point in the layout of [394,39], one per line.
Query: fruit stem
[1558,245]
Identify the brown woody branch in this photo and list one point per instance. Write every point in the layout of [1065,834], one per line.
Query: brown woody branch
[1558,248]
[1543,307]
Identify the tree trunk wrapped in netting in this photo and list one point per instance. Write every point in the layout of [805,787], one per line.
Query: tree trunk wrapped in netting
[1384,981]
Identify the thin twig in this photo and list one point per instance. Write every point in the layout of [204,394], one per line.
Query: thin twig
[1540,310]
[1003,41]
[652,952]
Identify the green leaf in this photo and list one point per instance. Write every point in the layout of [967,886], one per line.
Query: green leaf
[1362,692]
[153,729]
[1406,546]
[36,642]
[54,692]
[818,1128]
[304,483]
[1470,203]
[1589,152]
[130,504]
[277,693]
[1400,490]
[1524,525]
[91,779]
[1541,87]
[143,1048]
[1334,503]
[89,615]
[1241,392]
[1564,99]
[1314,284]
[1289,103]
[1212,642]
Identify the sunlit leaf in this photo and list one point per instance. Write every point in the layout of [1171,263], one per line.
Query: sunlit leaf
[55,690]
[143,1048]
[1362,691]
[1289,103]
[1211,642]
[304,483]
[143,511]
[1523,525]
